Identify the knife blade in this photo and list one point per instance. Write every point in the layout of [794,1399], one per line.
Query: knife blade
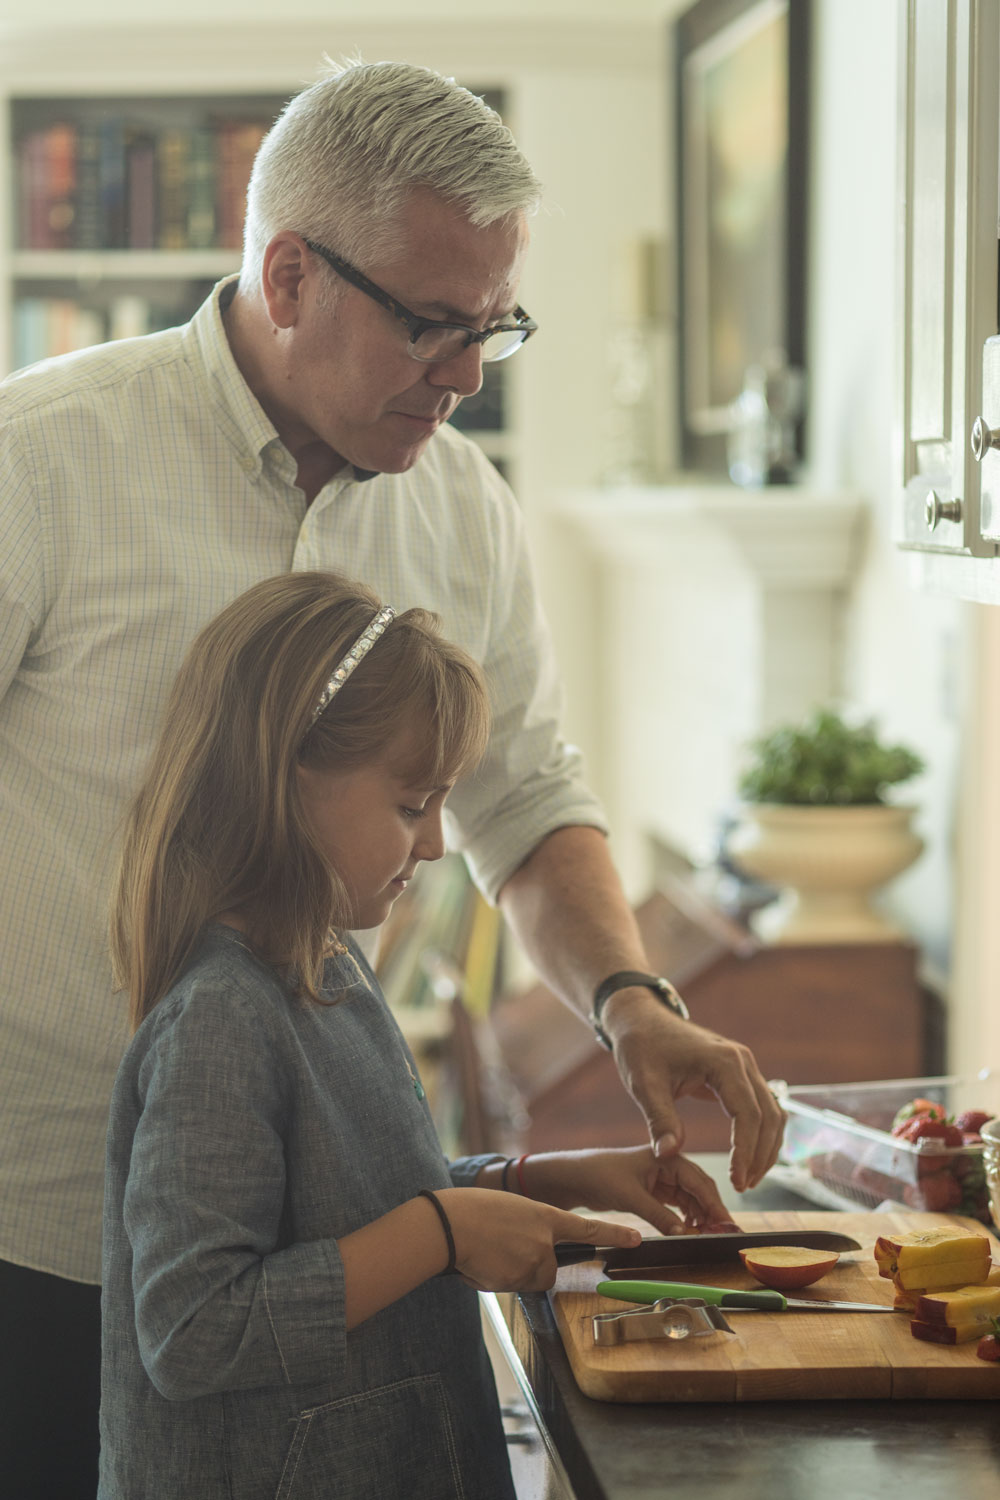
[696,1249]
[727,1297]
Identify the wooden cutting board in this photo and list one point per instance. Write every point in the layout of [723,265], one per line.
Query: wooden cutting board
[780,1356]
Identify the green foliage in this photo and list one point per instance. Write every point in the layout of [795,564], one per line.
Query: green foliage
[825,762]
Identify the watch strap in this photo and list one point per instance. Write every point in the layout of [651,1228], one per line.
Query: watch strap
[627,979]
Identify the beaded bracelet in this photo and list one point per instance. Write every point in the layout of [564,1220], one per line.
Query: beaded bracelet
[439,1210]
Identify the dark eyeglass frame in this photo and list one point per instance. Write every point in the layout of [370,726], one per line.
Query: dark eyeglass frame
[415,325]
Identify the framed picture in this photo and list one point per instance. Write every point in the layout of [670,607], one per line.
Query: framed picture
[742,113]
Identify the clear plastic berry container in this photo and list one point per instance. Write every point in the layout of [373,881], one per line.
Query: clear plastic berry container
[839,1149]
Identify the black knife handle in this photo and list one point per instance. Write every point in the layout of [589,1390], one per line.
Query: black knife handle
[571,1252]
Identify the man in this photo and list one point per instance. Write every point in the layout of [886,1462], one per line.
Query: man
[298,421]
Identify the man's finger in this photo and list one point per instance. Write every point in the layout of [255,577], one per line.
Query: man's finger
[757,1134]
[666,1133]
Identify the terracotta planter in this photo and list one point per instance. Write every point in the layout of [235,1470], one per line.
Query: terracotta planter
[829,862]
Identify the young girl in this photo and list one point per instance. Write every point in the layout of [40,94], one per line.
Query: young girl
[278,1212]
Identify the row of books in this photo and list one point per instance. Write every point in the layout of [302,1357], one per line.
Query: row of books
[47,326]
[114,183]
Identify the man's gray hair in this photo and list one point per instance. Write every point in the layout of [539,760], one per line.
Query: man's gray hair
[341,160]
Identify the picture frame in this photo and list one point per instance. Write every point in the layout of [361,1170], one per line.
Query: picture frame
[742,99]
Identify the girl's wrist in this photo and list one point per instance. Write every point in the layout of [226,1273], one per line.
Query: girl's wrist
[542,1176]
[534,1175]
[490,1176]
[445,1224]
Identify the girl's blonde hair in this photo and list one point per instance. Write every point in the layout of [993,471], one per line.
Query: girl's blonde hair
[218,824]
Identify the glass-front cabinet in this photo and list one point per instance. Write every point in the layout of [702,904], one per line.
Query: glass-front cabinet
[948,433]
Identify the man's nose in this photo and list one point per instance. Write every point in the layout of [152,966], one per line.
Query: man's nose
[463,373]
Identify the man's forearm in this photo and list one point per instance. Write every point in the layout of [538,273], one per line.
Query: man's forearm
[567,908]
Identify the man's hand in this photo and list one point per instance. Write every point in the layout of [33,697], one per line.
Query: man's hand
[662,1058]
[569,911]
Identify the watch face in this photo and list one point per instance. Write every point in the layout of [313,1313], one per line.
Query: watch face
[671,999]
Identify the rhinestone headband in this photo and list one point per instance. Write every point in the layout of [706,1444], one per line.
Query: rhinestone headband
[357,653]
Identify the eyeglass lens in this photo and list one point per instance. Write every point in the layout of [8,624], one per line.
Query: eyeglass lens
[436,344]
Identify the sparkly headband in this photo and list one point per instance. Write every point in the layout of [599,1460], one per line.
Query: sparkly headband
[357,653]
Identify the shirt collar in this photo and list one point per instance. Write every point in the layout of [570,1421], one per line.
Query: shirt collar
[240,414]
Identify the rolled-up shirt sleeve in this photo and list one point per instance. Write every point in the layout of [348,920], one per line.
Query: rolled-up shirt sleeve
[531,781]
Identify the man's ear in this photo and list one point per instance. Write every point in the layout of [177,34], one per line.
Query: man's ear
[282,277]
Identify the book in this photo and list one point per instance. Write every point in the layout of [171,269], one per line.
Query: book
[140,189]
[47,326]
[111,181]
[46,187]
[172,155]
[237,143]
[60,196]
[89,225]
[201,205]
[31,169]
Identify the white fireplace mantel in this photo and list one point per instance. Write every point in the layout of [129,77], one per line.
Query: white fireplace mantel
[785,534]
[715,613]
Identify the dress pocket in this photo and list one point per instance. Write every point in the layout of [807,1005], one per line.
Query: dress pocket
[396,1442]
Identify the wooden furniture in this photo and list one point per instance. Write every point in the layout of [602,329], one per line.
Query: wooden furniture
[711,1451]
[813,1014]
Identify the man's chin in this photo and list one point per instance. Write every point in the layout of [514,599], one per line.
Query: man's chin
[391,459]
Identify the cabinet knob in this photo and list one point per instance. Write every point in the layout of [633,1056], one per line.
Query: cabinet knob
[937,510]
[983,439]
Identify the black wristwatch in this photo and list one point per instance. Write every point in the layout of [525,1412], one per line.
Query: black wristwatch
[628,979]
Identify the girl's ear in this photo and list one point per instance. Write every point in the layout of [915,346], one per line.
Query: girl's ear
[313,785]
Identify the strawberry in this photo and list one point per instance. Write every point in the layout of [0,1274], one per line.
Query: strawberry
[923,1128]
[989,1345]
[916,1108]
[972,1120]
[934,1195]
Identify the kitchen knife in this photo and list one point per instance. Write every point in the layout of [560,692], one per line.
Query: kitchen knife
[697,1249]
[734,1301]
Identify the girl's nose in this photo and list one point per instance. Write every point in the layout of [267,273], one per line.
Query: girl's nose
[430,843]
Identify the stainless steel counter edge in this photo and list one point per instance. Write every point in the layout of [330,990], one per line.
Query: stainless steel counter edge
[497,1312]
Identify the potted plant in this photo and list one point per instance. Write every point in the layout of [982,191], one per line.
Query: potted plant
[815,821]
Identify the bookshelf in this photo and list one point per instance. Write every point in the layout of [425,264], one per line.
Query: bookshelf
[126,209]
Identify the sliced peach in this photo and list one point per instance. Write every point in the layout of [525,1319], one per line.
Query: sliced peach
[785,1267]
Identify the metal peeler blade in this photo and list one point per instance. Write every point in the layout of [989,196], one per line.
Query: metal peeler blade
[669,1318]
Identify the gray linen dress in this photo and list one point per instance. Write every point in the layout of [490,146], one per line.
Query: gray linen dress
[249,1131]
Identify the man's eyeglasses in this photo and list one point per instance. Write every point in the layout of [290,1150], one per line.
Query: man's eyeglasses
[432,341]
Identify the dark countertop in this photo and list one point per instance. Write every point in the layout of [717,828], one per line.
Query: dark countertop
[762,1450]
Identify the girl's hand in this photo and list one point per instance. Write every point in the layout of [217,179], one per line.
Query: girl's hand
[506,1243]
[631,1180]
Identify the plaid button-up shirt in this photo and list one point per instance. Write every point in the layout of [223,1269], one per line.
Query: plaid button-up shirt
[143,488]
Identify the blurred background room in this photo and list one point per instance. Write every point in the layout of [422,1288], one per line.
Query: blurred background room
[706,441]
